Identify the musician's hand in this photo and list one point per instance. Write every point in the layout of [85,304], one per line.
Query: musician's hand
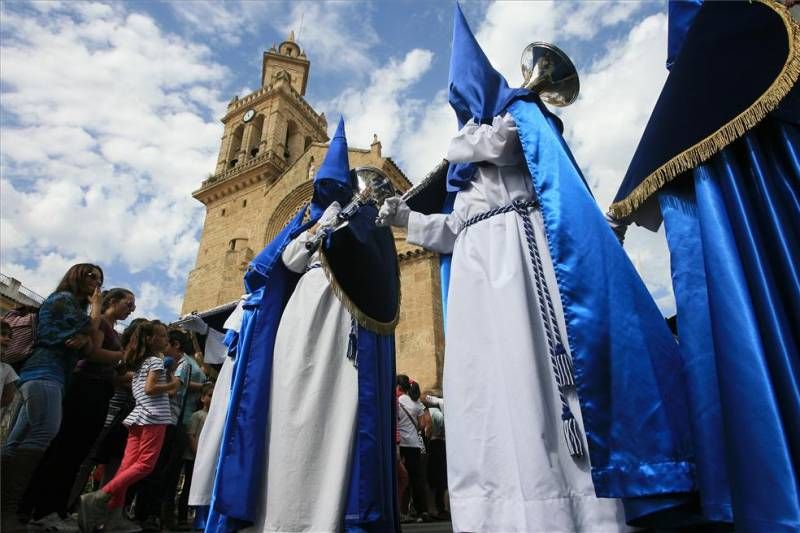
[394,211]
[328,218]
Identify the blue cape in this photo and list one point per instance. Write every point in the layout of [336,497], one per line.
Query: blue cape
[734,62]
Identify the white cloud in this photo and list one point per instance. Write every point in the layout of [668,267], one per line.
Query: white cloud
[221,20]
[425,142]
[112,123]
[339,36]
[383,107]
[48,271]
[150,298]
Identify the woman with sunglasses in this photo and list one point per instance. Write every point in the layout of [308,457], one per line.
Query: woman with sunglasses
[88,393]
[64,335]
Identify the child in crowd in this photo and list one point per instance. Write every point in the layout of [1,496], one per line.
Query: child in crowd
[7,375]
[196,423]
[155,496]
[146,423]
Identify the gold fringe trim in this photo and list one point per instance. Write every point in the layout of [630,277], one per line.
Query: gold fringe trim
[728,133]
[365,321]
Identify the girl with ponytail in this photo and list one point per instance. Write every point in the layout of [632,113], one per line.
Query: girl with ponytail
[152,384]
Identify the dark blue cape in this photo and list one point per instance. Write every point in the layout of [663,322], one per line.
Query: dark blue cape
[238,494]
[736,63]
[731,217]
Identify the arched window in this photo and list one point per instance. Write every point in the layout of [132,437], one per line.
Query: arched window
[291,134]
[255,136]
[235,146]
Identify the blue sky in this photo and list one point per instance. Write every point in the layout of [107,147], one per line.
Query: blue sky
[109,112]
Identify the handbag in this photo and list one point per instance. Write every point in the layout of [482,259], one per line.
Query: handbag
[422,449]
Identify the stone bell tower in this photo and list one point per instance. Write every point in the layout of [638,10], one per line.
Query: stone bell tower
[265,133]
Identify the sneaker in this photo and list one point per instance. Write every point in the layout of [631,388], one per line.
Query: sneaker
[93,510]
[53,522]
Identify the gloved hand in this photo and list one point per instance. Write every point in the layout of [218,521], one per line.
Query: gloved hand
[617,226]
[394,211]
[328,217]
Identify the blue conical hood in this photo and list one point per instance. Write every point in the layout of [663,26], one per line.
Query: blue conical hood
[332,181]
[476,89]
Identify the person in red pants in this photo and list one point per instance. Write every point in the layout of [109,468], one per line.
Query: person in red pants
[152,383]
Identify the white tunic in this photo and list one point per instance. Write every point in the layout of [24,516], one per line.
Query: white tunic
[208,445]
[508,465]
[313,404]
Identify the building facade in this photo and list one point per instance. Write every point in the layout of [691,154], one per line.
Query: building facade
[272,144]
[13,293]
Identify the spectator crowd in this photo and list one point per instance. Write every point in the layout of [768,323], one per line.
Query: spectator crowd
[100,425]
[99,428]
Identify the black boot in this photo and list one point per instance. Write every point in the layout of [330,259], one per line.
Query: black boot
[17,471]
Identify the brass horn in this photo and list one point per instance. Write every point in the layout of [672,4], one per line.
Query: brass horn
[373,186]
[549,72]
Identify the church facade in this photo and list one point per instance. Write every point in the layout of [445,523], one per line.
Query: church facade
[272,144]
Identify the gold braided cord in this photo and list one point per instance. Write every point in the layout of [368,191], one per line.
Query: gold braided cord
[738,126]
[365,321]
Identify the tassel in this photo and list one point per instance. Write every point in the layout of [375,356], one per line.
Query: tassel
[352,344]
[562,368]
[572,434]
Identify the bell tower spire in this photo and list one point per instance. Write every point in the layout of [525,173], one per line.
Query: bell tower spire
[287,59]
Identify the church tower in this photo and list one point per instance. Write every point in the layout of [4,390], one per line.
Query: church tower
[272,144]
[265,133]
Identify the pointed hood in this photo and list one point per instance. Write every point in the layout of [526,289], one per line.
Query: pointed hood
[332,181]
[476,89]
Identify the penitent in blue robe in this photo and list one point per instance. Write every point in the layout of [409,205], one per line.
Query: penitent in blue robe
[237,495]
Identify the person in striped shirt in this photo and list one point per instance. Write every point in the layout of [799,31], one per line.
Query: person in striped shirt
[152,384]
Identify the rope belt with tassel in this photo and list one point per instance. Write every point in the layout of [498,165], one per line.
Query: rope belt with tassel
[559,359]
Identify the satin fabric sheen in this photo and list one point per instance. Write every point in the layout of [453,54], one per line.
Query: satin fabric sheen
[372,494]
[628,367]
[237,491]
[733,229]
[681,17]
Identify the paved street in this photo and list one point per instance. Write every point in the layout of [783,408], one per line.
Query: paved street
[428,527]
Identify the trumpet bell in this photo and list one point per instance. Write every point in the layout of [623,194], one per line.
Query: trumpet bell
[549,72]
[373,185]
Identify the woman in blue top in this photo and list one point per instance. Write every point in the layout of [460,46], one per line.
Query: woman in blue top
[63,334]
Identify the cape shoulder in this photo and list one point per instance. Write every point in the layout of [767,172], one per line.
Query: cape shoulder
[739,60]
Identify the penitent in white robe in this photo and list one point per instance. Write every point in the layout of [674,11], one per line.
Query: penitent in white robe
[210,441]
[208,445]
[509,468]
[312,407]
